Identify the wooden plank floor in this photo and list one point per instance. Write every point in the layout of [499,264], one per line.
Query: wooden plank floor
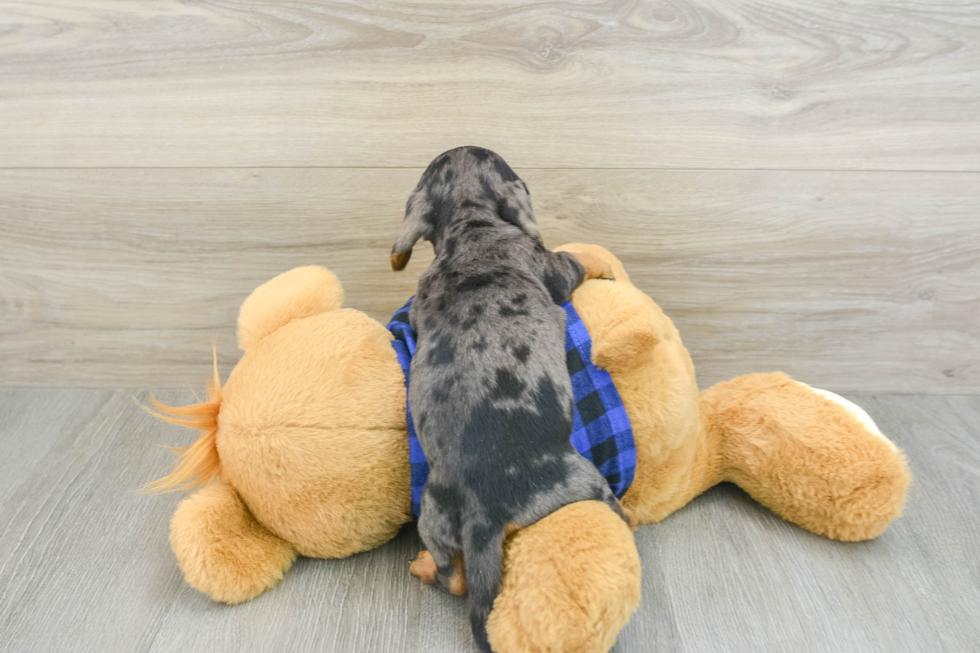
[85,564]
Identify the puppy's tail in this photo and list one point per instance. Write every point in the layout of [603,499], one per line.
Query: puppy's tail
[484,572]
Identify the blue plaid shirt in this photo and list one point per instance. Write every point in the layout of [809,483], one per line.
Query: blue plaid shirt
[601,428]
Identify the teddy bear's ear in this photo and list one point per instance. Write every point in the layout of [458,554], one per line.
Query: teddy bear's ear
[301,292]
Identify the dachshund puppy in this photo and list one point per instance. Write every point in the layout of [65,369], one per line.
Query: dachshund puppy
[489,386]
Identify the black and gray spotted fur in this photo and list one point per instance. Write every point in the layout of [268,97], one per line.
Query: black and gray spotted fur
[489,387]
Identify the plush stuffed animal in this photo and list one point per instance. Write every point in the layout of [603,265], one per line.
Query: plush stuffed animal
[305,452]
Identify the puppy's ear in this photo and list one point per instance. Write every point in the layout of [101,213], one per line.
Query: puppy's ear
[413,227]
[514,206]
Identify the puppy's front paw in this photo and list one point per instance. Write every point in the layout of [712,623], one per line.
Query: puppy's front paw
[424,566]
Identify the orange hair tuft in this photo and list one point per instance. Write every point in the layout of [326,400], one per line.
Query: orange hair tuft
[199,463]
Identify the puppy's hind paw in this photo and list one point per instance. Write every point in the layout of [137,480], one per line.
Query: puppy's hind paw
[457,582]
[424,566]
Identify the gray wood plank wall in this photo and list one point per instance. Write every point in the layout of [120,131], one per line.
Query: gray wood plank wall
[796,183]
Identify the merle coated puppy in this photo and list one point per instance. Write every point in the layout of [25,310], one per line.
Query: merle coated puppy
[489,387]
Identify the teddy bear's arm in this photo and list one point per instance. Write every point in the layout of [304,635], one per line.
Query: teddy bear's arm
[618,319]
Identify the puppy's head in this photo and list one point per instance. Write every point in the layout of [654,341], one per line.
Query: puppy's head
[467,177]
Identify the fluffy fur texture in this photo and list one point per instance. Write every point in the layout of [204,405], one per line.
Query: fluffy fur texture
[222,550]
[317,463]
[303,292]
[311,440]
[569,594]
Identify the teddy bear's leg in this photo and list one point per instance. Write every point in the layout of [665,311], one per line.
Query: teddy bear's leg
[222,550]
[811,459]
[571,582]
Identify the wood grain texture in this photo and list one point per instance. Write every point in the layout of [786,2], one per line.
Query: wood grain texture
[85,564]
[846,280]
[620,83]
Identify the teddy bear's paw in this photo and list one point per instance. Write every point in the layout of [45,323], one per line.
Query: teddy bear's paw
[571,582]
[222,550]
[874,489]
[293,295]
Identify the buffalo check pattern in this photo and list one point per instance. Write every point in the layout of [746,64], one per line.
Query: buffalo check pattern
[404,344]
[601,429]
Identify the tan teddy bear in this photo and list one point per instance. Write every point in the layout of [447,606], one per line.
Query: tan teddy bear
[305,451]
